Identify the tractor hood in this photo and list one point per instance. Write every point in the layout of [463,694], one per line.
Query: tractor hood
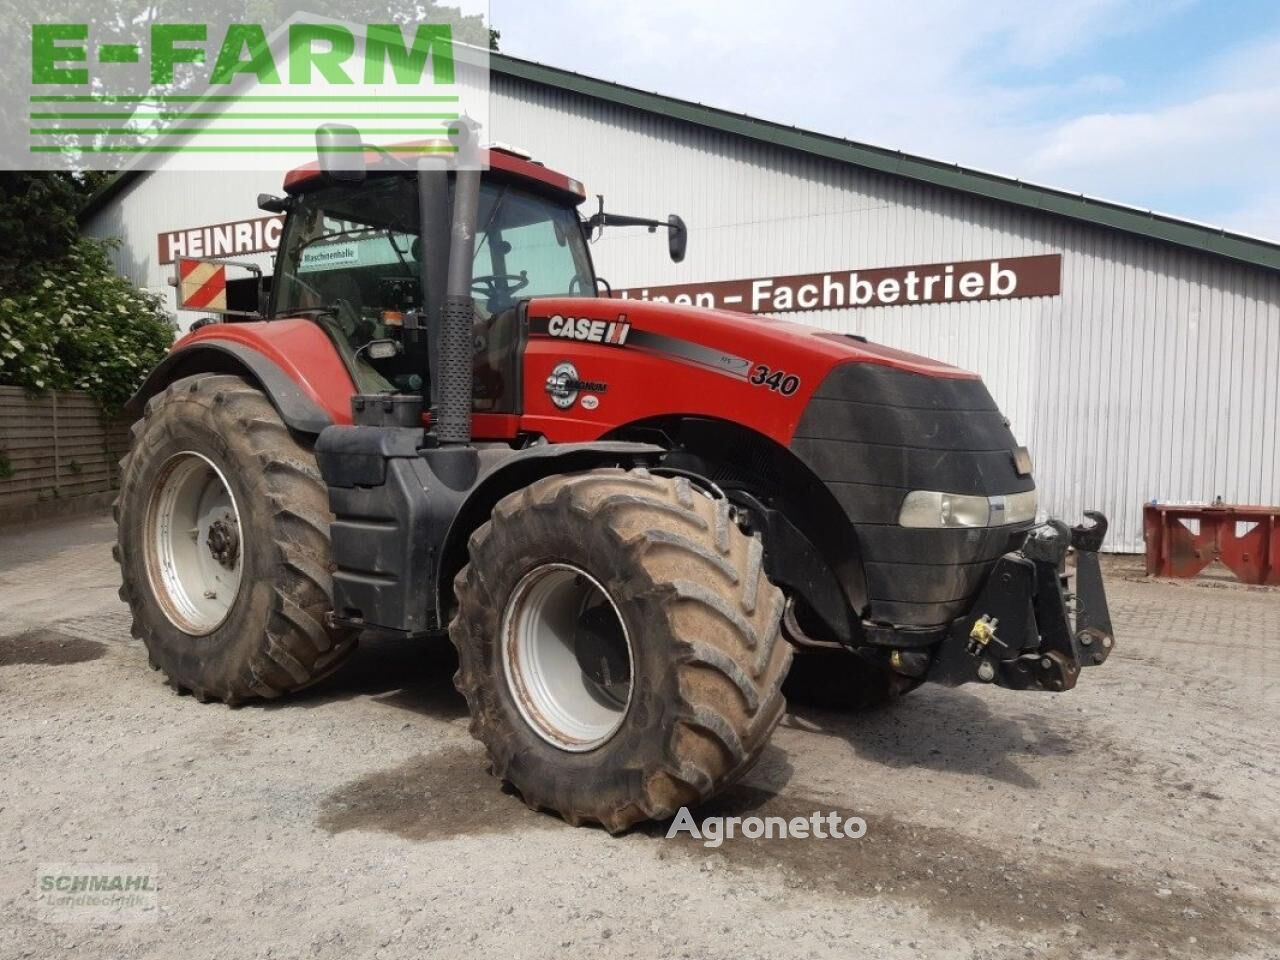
[656,359]
[737,340]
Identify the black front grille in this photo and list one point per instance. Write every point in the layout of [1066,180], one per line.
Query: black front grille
[873,433]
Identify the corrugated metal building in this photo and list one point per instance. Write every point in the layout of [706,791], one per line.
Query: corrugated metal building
[1149,371]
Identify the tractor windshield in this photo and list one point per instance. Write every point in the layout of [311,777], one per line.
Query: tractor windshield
[350,255]
[354,248]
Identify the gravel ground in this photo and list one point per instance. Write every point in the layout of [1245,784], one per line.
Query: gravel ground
[1136,816]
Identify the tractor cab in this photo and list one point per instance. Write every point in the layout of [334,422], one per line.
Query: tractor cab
[369,254]
[350,259]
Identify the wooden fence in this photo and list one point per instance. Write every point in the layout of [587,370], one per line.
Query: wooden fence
[57,451]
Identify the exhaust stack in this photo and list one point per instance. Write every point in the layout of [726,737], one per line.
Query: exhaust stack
[423,342]
[452,415]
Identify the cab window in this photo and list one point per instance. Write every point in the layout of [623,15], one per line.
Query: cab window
[350,259]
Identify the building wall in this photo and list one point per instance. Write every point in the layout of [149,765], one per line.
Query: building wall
[153,204]
[1152,375]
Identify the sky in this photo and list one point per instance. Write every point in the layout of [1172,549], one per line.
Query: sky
[1171,105]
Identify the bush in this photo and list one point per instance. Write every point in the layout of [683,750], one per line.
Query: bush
[75,324]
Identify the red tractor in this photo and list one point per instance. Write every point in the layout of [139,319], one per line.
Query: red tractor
[628,516]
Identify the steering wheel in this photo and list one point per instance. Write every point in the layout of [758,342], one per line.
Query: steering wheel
[510,283]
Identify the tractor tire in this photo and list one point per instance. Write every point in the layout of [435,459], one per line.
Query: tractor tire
[684,669]
[842,681]
[222,536]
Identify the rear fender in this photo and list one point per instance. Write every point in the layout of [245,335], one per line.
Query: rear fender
[292,361]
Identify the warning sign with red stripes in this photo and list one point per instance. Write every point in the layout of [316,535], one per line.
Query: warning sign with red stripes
[202,285]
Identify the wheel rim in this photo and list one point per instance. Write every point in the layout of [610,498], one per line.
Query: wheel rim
[567,657]
[195,556]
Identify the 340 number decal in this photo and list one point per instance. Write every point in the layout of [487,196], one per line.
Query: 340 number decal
[777,380]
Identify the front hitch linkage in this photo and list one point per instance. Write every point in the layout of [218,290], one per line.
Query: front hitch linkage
[1026,631]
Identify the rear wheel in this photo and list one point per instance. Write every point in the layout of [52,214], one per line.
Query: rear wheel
[618,645]
[223,545]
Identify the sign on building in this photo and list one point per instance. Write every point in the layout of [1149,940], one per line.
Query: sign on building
[235,239]
[1003,279]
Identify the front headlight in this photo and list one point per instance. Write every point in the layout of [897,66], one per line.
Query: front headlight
[929,508]
[1013,508]
[932,508]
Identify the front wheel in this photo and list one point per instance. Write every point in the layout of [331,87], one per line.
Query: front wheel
[619,645]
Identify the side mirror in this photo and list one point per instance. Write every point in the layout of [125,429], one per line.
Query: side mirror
[677,238]
[340,152]
[272,204]
[677,232]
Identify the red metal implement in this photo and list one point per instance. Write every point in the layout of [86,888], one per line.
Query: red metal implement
[1245,539]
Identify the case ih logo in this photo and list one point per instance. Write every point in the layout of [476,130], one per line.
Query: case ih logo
[585,329]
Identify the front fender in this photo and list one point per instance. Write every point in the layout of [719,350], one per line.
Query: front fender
[509,473]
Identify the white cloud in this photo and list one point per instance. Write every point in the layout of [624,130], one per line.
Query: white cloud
[988,83]
[1217,139]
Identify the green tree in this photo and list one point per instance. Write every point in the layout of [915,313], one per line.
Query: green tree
[73,323]
[37,220]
